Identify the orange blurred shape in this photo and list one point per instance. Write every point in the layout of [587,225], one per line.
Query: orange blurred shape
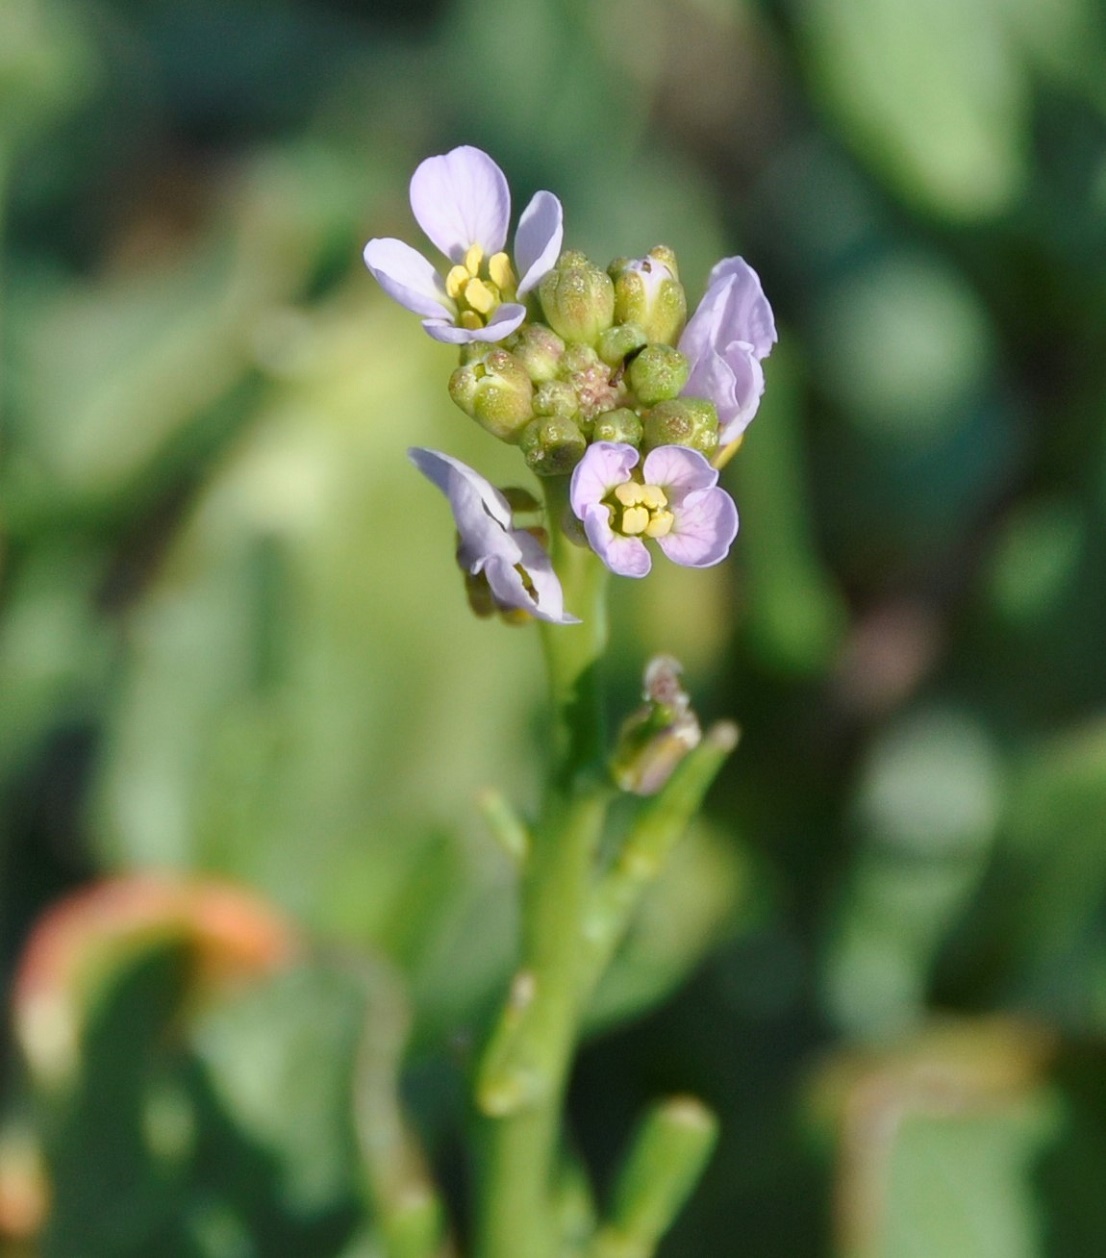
[24,1196]
[230,934]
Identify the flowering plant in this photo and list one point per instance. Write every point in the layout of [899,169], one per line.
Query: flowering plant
[625,410]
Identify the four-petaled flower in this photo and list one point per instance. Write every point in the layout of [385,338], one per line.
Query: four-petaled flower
[724,341]
[514,563]
[461,201]
[674,497]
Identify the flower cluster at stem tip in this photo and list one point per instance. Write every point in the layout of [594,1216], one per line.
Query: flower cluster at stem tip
[594,374]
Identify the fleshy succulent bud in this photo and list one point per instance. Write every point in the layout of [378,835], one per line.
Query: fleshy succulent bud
[556,397]
[622,339]
[622,425]
[552,446]
[648,292]
[497,392]
[685,421]
[578,299]
[658,374]
[539,349]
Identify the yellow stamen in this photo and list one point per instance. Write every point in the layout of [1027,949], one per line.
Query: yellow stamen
[652,496]
[723,456]
[470,319]
[501,272]
[629,493]
[456,280]
[660,525]
[479,296]
[635,520]
[473,259]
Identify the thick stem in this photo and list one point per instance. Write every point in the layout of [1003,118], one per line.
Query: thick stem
[521,1082]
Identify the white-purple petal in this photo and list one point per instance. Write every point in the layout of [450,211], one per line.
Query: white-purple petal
[679,471]
[625,556]
[706,524]
[461,199]
[469,494]
[605,464]
[547,601]
[538,240]
[747,313]
[407,277]
[502,323]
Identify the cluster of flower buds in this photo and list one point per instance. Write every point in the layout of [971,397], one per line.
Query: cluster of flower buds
[598,374]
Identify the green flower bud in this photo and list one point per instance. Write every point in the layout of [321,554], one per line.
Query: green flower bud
[658,374]
[539,349]
[578,299]
[648,291]
[597,388]
[658,735]
[619,425]
[496,391]
[622,339]
[684,421]
[556,397]
[552,446]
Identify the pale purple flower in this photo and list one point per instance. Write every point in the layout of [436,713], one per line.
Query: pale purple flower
[724,341]
[674,497]
[515,564]
[461,201]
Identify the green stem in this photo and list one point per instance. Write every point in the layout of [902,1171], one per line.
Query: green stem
[521,1081]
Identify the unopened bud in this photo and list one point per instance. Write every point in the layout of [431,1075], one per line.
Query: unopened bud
[578,299]
[496,391]
[658,735]
[552,446]
[683,421]
[621,425]
[648,292]
[622,339]
[658,374]
[556,397]
[539,349]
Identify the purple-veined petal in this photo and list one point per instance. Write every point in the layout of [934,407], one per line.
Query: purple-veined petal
[502,323]
[461,199]
[706,524]
[625,556]
[679,471]
[605,464]
[407,277]
[748,313]
[538,240]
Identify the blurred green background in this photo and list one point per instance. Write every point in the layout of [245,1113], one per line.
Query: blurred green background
[233,641]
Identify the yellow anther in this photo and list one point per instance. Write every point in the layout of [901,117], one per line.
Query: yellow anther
[480,297]
[473,259]
[502,273]
[652,496]
[660,525]
[470,319]
[629,493]
[456,280]
[635,520]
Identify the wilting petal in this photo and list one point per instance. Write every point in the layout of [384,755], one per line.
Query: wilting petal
[461,199]
[539,591]
[502,323]
[538,240]
[705,527]
[407,277]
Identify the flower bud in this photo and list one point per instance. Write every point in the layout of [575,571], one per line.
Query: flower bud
[683,421]
[648,291]
[597,388]
[578,299]
[556,397]
[539,349]
[620,425]
[496,391]
[552,446]
[622,339]
[658,374]
[658,735]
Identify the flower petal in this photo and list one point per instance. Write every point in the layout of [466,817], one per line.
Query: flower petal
[705,527]
[480,511]
[461,199]
[538,240]
[502,323]
[679,471]
[605,464]
[749,316]
[626,556]
[407,277]
[547,600]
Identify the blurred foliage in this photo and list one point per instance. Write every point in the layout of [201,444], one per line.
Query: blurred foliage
[233,642]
